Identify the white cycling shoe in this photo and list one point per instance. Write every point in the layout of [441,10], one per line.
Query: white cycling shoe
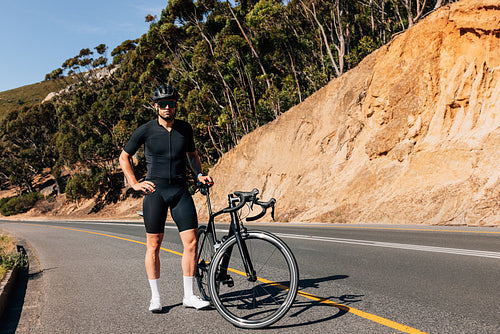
[195,302]
[155,305]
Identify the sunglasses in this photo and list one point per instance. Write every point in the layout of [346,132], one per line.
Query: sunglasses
[164,104]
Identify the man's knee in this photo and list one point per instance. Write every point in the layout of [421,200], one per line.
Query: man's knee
[191,244]
[154,241]
[189,240]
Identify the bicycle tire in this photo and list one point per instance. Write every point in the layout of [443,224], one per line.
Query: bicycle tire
[205,253]
[255,304]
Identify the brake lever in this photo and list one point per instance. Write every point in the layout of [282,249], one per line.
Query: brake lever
[252,202]
[272,201]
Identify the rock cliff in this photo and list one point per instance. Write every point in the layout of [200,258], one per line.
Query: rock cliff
[410,136]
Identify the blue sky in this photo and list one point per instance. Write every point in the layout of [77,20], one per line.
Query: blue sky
[38,36]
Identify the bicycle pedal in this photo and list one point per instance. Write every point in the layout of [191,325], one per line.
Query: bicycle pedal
[228,281]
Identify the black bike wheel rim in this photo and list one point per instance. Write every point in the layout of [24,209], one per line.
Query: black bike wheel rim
[257,304]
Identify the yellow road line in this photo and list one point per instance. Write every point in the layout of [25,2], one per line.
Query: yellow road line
[369,316]
[365,315]
[106,235]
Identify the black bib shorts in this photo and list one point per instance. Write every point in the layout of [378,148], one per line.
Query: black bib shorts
[178,199]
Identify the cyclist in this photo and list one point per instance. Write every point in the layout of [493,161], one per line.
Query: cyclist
[167,141]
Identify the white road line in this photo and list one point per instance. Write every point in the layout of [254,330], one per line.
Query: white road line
[456,251]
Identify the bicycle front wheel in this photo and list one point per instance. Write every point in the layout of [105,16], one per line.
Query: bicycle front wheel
[205,253]
[261,303]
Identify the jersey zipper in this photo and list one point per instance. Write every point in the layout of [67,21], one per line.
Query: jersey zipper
[170,156]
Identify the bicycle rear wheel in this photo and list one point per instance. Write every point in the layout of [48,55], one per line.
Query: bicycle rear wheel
[263,302]
[205,252]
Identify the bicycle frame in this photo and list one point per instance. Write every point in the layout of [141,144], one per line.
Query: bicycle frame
[236,230]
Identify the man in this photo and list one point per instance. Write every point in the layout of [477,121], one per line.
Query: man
[167,142]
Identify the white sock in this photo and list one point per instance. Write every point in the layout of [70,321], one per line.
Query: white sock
[155,291]
[188,286]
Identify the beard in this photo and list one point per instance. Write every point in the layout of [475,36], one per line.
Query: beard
[168,118]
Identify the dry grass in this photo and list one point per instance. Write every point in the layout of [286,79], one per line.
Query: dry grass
[7,246]
[30,94]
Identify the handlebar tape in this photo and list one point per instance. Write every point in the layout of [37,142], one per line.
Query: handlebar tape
[264,206]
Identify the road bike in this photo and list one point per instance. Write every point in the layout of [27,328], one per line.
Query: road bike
[250,276]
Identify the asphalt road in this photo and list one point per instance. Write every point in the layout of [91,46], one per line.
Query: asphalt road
[393,279]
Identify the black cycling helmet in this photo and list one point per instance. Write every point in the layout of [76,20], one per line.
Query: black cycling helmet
[165,92]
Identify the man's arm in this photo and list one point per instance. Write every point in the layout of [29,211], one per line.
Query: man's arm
[195,163]
[128,171]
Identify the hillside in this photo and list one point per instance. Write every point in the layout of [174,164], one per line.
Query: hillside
[411,135]
[29,94]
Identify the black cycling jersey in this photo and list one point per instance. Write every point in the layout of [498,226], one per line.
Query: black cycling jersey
[165,151]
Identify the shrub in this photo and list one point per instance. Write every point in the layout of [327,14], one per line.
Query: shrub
[87,184]
[80,186]
[19,204]
[9,258]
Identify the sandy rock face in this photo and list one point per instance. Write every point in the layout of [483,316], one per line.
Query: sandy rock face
[411,135]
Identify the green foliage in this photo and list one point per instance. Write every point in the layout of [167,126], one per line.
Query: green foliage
[12,260]
[80,186]
[85,185]
[9,257]
[27,144]
[366,46]
[18,204]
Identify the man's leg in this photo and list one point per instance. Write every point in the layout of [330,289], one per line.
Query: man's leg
[152,262]
[153,254]
[189,243]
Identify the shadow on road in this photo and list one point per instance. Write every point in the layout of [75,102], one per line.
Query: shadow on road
[300,305]
[14,307]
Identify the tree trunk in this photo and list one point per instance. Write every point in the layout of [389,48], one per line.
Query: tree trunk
[338,71]
[255,54]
